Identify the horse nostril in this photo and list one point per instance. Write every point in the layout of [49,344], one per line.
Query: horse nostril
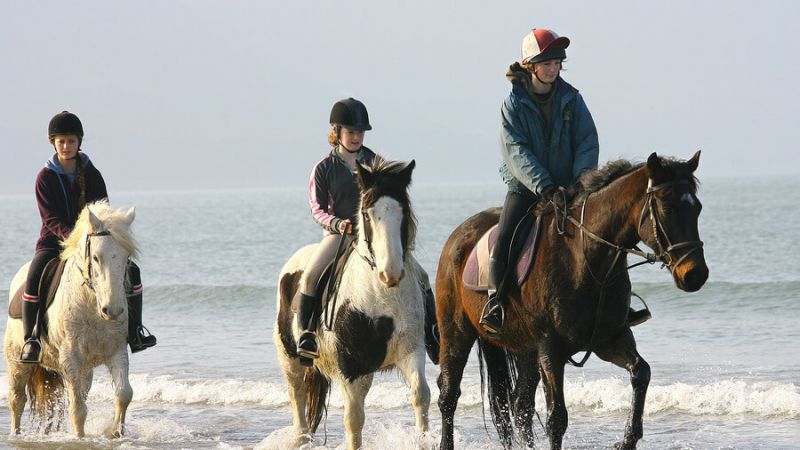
[105,310]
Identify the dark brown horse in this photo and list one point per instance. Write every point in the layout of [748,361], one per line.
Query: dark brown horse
[576,297]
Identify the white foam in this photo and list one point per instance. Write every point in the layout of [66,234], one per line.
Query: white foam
[609,395]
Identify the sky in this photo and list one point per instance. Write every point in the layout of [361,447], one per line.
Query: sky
[196,95]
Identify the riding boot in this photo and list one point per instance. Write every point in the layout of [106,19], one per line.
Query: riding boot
[493,315]
[139,337]
[307,319]
[431,327]
[32,349]
[638,317]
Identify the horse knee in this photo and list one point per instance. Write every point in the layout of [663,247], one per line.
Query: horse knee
[640,375]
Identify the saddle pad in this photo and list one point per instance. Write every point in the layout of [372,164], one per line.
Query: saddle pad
[48,286]
[476,271]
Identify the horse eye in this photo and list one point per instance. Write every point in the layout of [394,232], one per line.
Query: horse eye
[96,259]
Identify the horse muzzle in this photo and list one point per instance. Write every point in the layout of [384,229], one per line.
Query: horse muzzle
[390,279]
[692,277]
[111,312]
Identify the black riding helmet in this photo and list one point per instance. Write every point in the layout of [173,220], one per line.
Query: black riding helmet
[65,123]
[350,113]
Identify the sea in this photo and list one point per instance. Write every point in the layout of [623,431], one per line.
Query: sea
[725,360]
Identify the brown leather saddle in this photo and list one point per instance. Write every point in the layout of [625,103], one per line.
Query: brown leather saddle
[476,270]
[48,286]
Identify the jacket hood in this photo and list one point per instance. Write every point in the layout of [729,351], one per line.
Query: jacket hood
[522,84]
[56,166]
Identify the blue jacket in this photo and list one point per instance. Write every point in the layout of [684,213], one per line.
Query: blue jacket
[530,162]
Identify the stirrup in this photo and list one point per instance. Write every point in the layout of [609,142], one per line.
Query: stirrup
[307,346]
[28,355]
[142,341]
[638,317]
[489,320]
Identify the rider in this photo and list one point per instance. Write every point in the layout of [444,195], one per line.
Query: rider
[548,138]
[334,198]
[64,186]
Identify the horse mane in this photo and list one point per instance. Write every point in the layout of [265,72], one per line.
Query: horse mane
[112,221]
[592,181]
[384,171]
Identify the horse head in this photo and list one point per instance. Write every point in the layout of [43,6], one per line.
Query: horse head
[101,244]
[386,223]
[668,221]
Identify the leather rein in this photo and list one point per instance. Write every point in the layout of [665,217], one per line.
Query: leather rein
[664,254]
[87,255]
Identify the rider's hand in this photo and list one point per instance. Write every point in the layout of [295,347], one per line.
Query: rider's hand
[345,227]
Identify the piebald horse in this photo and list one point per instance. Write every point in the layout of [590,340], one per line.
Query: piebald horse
[375,324]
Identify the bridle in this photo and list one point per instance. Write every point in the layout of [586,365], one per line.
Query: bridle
[87,255]
[664,252]
[367,224]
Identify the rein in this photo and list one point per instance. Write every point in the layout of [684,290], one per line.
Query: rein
[368,239]
[87,277]
[664,253]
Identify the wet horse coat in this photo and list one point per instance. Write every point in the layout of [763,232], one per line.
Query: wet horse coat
[377,320]
[576,297]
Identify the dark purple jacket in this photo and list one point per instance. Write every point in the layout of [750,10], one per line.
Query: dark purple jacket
[57,198]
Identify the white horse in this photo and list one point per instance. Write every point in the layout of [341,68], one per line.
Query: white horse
[87,324]
[377,319]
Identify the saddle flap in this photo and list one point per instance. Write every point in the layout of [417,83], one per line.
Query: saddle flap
[476,270]
[48,286]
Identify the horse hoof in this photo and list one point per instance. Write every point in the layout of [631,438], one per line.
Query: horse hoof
[625,446]
[112,433]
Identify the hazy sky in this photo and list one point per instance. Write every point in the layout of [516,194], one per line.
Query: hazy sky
[234,94]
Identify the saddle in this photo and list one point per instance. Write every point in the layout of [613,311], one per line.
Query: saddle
[48,286]
[476,270]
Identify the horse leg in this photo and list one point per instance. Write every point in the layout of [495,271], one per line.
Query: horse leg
[622,352]
[524,395]
[73,381]
[413,369]
[18,375]
[123,393]
[354,395]
[557,418]
[453,355]
[298,394]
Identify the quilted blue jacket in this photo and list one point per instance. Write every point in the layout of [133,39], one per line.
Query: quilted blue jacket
[531,162]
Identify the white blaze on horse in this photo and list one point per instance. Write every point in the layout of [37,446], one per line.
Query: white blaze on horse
[87,323]
[377,319]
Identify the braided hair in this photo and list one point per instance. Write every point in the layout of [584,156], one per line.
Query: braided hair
[80,178]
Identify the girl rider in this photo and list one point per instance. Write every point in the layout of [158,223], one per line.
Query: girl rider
[334,197]
[548,138]
[64,186]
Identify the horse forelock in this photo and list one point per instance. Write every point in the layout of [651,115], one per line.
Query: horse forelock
[113,222]
[388,183]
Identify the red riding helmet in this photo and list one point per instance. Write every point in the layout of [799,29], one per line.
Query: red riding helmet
[542,44]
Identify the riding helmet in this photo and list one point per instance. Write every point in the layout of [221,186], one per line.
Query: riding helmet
[350,113]
[542,44]
[65,123]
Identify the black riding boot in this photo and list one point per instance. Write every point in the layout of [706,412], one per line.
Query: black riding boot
[431,327]
[32,348]
[307,318]
[139,337]
[638,317]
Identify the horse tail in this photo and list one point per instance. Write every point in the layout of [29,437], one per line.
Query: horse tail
[317,388]
[46,393]
[498,369]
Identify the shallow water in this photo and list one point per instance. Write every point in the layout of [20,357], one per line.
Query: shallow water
[724,366]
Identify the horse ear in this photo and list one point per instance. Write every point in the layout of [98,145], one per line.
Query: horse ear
[130,214]
[654,166]
[364,176]
[693,162]
[95,224]
[405,172]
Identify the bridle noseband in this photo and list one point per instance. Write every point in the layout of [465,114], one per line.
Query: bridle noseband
[665,252]
[87,277]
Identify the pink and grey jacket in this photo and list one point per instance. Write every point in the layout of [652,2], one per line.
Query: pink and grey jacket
[333,191]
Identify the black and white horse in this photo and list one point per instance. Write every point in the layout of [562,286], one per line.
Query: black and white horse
[377,320]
